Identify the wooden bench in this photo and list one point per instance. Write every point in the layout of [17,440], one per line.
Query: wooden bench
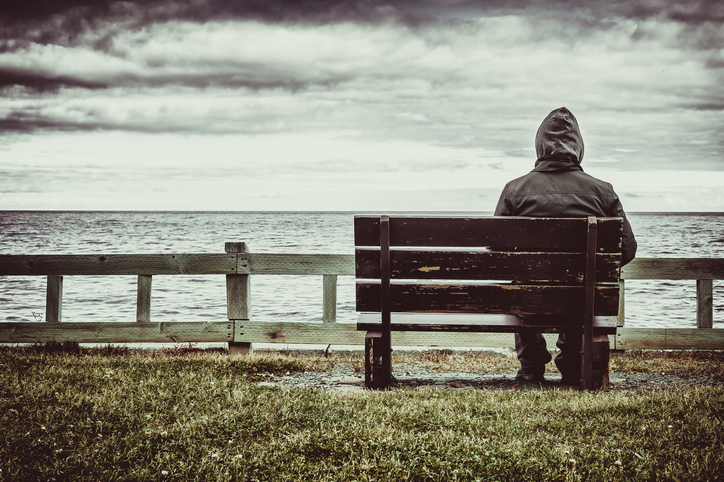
[476,274]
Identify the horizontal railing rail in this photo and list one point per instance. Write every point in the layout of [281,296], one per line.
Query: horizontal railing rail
[181,263]
[283,263]
[237,264]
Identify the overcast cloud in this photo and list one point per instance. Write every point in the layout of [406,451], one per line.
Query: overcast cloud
[361,105]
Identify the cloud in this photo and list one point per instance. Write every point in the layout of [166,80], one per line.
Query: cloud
[77,15]
[41,82]
[64,21]
[485,83]
[376,97]
[25,122]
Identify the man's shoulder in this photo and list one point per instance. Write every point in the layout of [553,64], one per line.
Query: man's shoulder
[604,185]
[522,179]
[577,177]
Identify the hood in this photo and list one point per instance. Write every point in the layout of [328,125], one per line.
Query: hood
[559,138]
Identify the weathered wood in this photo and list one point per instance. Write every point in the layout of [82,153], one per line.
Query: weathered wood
[347,334]
[704,303]
[601,355]
[565,287]
[589,300]
[143,298]
[374,376]
[296,264]
[238,297]
[326,333]
[621,319]
[465,265]
[282,264]
[488,298]
[54,298]
[113,332]
[641,268]
[235,247]
[668,339]
[117,264]
[329,298]
[298,333]
[568,235]
[476,323]
[674,268]
[244,332]
[384,351]
[238,290]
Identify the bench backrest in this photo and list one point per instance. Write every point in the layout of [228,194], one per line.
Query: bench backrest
[510,265]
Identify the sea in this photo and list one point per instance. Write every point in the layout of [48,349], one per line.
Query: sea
[649,303]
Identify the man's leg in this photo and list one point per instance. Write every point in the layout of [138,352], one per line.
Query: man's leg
[568,360]
[533,356]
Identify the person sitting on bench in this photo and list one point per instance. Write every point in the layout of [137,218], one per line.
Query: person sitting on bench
[558,187]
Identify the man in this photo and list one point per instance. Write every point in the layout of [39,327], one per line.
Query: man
[558,187]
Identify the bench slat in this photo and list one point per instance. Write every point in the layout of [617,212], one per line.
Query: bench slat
[462,265]
[546,233]
[488,298]
[476,323]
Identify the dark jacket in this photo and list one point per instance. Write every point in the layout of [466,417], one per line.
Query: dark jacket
[558,187]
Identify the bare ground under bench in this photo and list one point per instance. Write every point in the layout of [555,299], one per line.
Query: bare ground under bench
[345,372]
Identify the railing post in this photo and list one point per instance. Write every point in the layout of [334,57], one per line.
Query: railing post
[143,298]
[54,298]
[329,298]
[238,299]
[704,303]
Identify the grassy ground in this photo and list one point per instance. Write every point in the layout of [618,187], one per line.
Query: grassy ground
[68,413]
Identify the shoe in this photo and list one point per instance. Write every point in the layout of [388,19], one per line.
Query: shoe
[530,376]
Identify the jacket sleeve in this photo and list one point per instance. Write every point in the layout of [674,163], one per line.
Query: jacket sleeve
[504,207]
[628,242]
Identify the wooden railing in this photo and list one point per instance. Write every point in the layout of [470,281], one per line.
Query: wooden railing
[704,336]
[238,265]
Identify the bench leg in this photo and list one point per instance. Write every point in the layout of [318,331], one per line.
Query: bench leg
[374,370]
[601,352]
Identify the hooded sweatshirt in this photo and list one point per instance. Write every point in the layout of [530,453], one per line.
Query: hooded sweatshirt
[558,187]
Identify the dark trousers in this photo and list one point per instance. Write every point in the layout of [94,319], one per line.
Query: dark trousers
[533,354]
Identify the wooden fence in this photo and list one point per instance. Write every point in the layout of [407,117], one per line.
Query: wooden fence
[237,264]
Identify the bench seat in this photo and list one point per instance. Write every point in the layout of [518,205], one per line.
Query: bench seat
[476,323]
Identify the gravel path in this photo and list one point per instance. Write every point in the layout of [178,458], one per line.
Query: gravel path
[342,376]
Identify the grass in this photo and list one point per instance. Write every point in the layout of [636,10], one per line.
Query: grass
[69,413]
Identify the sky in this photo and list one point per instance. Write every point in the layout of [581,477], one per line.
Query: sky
[352,105]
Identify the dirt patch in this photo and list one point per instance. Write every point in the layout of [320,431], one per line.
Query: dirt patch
[346,376]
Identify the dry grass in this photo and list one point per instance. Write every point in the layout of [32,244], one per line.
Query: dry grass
[462,361]
[679,362]
[74,414]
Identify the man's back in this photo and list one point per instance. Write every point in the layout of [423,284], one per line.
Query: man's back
[558,187]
